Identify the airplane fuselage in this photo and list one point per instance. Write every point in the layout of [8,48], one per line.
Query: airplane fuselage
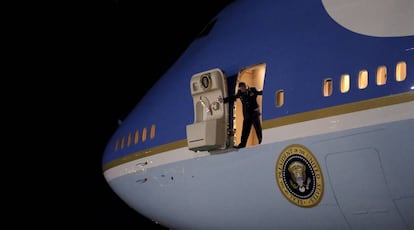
[337,114]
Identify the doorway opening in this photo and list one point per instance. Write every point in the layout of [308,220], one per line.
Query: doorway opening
[253,76]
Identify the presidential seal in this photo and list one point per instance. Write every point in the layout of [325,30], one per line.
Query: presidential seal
[299,176]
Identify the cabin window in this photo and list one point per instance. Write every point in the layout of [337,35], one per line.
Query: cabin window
[345,78]
[129,139]
[381,75]
[136,137]
[144,134]
[152,131]
[363,79]
[327,87]
[280,98]
[122,142]
[116,144]
[401,71]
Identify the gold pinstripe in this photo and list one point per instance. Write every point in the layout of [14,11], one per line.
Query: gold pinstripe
[281,121]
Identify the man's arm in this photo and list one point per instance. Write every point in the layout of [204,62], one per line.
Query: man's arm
[229,99]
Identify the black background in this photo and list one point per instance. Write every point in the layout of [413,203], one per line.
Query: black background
[113,52]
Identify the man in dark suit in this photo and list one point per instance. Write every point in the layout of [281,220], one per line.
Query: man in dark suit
[251,111]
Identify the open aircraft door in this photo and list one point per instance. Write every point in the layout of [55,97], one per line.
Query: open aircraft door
[209,131]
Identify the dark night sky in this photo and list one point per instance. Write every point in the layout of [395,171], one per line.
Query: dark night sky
[122,48]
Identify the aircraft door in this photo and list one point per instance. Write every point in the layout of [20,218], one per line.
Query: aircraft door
[210,127]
